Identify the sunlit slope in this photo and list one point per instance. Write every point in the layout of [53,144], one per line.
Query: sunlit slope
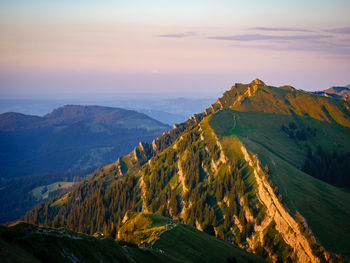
[143,228]
[325,207]
[258,97]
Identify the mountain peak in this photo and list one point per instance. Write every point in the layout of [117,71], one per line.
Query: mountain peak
[258,82]
[258,97]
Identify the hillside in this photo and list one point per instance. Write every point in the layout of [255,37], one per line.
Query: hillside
[245,168]
[27,243]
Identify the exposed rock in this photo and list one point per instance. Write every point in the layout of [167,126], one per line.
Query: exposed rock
[181,178]
[285,224]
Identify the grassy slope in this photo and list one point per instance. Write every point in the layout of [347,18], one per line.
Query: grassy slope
[39,194]
[286,101]
[142,227]
[326,208]
[186,244]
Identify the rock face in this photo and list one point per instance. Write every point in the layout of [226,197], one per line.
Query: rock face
[285,224]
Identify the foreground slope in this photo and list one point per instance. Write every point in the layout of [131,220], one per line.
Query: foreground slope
[27,243]
[235,169]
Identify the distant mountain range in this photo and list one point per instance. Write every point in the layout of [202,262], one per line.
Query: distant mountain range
[336,92]
[162,107]
[265,168]
[70,138]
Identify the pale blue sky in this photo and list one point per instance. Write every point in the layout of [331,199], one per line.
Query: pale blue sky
[317,13]
[114,46]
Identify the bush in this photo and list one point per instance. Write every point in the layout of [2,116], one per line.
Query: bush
[209,229]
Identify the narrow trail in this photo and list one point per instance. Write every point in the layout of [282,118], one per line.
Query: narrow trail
[161,232]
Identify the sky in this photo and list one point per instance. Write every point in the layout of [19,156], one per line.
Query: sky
[162,46]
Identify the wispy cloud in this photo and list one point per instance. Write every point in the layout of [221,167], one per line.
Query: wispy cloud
[342,30]
[179,35]
[279,29]
[312,46]
[256,37]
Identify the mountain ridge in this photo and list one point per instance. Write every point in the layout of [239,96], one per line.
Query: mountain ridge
[186,173]
[69,114]
[70,128]
[337,92]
